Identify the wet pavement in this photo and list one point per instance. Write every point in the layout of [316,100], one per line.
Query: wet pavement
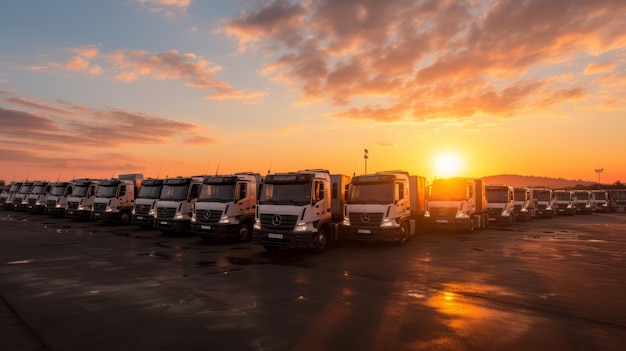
[548,284]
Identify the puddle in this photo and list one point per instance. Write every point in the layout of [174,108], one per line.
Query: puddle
[20,262]
[160,255]
[240,261]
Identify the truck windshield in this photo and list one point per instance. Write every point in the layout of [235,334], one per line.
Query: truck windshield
[58,190]
[107,191]
[380,193]
[217,193]
[80,190]
[542,196]
[520,195]
[563,196]
[448,191]
[582,196]
[286,194]
[149,192]
[497,195]
[174,192]
[599,196]
[38,190]
[25,189]
[14,189]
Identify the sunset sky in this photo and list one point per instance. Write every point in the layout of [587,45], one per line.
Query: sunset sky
[189,87]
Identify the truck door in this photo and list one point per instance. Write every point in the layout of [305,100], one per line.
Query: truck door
[321,206]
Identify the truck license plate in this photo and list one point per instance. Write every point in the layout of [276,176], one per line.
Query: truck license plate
[208,227]
[97,214]
[139,218]
[442,221]
[163,222]
[364,231]
[274,236]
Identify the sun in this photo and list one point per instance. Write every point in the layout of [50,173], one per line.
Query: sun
[447,164]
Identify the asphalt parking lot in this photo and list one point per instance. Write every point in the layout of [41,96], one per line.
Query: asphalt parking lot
[547,284]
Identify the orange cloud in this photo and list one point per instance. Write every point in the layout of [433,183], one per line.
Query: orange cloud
[78,63]
[68,126]
[603,67]
[425,59]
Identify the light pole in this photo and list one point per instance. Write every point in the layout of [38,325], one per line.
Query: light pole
[599,171]
[365,157]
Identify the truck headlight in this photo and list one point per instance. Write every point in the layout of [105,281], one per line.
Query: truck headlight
[257,224]
[178,215]
[346,221]
[461,215]
[304,227]
[427,214]
[227,220]
[389,223]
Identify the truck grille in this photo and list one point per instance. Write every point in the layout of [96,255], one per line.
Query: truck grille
[142,209]
[166,212]
[493,211]
[278,222]
[51,203]
[72,205]
[32,201]
[542,207]
[100,207]
[365,220]
[442,211]
[208,216]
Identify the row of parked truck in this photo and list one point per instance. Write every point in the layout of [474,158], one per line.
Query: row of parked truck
[303,209]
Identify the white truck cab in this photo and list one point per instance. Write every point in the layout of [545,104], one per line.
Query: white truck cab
[500,203]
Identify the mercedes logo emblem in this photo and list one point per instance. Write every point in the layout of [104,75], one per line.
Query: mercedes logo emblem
[164,211]
[206,214]
[365,218]
[442,211]
[277,221]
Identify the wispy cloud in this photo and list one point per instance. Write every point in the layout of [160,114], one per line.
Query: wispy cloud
[431,59]
[131,65]
[69,126]
[170,8]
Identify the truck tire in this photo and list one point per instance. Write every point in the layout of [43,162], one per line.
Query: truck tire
[470,224]
[404,234]
[244,232]
[125,218]
[322,240]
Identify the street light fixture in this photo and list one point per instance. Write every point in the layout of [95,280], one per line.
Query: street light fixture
[599,171]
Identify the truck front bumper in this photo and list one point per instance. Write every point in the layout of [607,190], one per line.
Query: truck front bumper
[214,230]
[170,225]
[289,240]
[373,234]
[447,222]
[143,220]
[77,214]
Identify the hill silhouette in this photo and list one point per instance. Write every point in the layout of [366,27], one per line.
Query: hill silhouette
[535,182]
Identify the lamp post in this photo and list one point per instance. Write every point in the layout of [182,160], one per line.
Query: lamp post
[599,171]
[365,157]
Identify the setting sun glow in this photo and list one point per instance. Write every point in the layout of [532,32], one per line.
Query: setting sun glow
[447,165]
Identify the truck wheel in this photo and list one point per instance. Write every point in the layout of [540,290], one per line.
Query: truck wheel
[125,218]
[404,234]
[244,232]
[321,241]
